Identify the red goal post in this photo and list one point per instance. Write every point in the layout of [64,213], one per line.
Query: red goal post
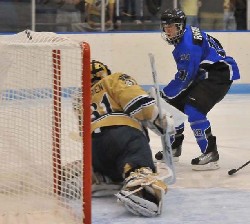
[44,172]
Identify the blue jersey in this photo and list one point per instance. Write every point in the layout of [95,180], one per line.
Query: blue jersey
[195,50]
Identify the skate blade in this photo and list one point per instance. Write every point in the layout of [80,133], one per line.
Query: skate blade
[175,159]
[209,166]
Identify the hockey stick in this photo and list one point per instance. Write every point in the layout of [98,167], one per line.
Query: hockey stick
[232,171]
[165,139]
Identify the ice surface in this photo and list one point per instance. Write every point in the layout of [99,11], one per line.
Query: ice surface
[210,197]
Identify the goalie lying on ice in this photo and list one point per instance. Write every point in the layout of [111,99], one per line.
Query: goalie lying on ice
[120,143]
[141,193]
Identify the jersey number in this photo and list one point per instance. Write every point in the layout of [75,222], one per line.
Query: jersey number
[214,43]
[104,104]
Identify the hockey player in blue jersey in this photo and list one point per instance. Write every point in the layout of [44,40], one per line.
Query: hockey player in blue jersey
[204,75]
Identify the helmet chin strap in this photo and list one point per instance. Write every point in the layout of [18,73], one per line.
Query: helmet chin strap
[177,37]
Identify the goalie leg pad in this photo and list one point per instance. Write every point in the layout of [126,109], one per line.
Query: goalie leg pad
[137,205]
[142,193]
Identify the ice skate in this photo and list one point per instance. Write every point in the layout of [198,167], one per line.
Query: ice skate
[176,153]
[207,161]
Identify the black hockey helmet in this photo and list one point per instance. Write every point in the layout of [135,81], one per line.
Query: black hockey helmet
[98,71]
[173,16]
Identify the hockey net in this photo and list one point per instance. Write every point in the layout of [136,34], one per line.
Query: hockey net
[45,174]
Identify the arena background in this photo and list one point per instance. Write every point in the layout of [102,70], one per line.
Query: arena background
[128,52]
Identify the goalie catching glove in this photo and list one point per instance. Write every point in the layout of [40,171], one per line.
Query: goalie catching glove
[177,116]
[142,193]
[161,125]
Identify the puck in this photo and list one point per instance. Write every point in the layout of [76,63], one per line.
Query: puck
[159,155]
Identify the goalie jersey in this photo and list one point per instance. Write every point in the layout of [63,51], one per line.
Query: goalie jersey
[118,100]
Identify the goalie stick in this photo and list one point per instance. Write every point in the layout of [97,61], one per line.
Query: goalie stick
[165,139]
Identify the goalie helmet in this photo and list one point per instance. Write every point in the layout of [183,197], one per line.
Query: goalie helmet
[173,18]
[98,71]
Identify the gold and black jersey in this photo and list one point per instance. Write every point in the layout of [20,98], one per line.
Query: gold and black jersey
[118,100]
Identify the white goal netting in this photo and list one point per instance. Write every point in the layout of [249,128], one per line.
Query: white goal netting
[39,73]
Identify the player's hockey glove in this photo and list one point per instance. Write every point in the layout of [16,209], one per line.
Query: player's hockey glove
[202,74]
[142,193]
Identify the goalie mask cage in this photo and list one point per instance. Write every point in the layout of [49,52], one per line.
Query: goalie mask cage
[45,175]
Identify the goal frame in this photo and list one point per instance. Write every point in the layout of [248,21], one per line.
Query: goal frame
[86,128]
[56,135]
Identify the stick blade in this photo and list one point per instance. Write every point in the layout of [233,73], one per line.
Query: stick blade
[231,172]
